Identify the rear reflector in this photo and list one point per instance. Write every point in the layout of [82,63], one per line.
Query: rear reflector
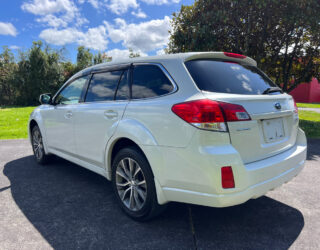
[210,115]
[227,180]
[234,55]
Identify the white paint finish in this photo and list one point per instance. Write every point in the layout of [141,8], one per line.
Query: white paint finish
[157,117]
[58,124]
[248,136]
[94,124]
[186,161]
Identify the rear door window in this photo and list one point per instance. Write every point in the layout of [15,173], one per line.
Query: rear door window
[123,88]
[228,77]
[149,81]
[102,86]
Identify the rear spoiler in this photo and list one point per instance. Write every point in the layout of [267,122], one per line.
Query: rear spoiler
[224,56]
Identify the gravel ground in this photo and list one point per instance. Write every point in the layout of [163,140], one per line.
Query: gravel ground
[63,206]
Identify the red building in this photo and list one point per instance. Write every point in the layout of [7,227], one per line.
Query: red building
[307,92]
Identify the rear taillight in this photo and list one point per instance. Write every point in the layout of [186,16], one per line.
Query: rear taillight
[234,112]
[295,114]
[210,115]
[295,107]
[227,180]
[234,55]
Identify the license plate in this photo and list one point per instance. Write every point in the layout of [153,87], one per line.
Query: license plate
[273,129]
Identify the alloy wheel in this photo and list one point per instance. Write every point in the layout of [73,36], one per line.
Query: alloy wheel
[37,144]
[131,184]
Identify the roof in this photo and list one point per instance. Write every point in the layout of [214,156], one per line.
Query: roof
[167,57]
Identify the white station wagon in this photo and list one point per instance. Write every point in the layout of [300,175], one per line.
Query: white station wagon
[203,128]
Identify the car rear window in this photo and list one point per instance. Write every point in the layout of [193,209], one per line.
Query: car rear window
[228,77]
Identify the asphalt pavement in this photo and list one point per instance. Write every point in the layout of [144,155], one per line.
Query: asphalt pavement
[64,206]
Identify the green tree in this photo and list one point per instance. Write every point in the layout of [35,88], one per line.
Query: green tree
[101,58]
[7,72]
[133,54]
[68,69]
[282,36]
[38,71]
[84,58]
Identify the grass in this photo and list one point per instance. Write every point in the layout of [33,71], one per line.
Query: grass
[308,105]
[14,122]
[310,123]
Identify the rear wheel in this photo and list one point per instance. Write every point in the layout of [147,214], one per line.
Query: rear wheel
[37,146]
[133,184]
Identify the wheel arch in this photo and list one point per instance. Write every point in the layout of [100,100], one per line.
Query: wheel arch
[115,147]
[34,121]
[151,153]
[32,124]
[129,132]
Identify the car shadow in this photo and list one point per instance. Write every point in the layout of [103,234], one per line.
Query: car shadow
[74,208]
[313,149]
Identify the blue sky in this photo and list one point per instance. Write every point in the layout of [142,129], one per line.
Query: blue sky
[111,26]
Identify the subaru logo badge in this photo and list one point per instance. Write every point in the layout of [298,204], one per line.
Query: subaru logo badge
[277,105]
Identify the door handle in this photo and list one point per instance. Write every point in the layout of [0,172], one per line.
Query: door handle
[110,114]
[68,114]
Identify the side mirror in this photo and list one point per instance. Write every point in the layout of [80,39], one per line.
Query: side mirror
[45,98]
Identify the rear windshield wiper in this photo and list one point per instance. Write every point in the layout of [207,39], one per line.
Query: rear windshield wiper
[272,90]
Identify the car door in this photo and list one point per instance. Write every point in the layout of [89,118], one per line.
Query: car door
[96,119]
[59,120]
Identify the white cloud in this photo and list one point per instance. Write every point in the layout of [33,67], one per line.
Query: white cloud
[93,38]
[139,13]
[117,54]
[160,2]
[44,7]
[121,6]
[53,21]
[161,52]
[55,13]
[144,36]
[60,37]
[94,3]
[14,47]
[7,29]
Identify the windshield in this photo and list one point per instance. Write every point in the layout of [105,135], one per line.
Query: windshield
[228,77]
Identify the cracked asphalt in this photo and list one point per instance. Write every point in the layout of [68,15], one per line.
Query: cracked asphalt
[64,206]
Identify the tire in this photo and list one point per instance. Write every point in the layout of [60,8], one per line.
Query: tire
[131,184]
[37,146]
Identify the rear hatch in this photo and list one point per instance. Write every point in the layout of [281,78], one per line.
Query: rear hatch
[273,126]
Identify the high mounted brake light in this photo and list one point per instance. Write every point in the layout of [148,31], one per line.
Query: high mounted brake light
[234,55]
[210,115]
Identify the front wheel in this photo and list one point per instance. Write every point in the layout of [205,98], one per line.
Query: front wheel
[37,146]
[133,184]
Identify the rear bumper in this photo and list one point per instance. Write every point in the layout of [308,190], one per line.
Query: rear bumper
[202,184]
[254,191]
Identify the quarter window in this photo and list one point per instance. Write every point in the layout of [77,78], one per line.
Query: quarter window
[71,94]
[103,86]
[149,81]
